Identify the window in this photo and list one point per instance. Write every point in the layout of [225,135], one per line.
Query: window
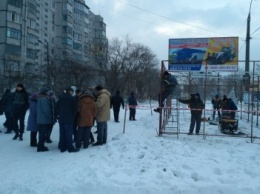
[32,8]
[12,65]
[13,33]
[67,29]
[16,3]
[30,53]
[77,36]
[31,38]
[77,27]
[32,23]
[65,17]
[67,41]
[77,46]
[79,6]
[13,49]
[68,7]
[14,17]
[77,16]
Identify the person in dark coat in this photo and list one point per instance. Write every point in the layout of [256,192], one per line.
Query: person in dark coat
[53,101]
[116,102]
[7,102]
[20,106]
[32,120]
[216,102]
[44,118]
[66,112]
[132,106]
[86,113]
[196,106]
[169,83]
[228,108]
[75,127]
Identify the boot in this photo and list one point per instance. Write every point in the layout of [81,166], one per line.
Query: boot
[42,149]
[21,137]
[16,136]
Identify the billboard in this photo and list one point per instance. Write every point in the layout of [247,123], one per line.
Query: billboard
[201,54]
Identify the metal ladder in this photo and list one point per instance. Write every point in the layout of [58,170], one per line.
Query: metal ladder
[170,119]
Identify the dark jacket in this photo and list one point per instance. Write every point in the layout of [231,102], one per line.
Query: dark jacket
[32,118]
[117,101]
[66,109]
[194,103]
[44,114]
[228,104]
[20,100]
[7,101]
[132,100]
[169,82]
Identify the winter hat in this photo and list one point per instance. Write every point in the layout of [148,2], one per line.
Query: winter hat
[132,93]
[98,88]
[87,92]
[69,89]
[117,92]
[51,93]
[217,96]
[166,73]
[20,85]
[44,90]
[74,88]
[34,95]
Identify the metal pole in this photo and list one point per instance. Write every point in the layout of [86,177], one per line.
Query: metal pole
[247,77]
[257,104]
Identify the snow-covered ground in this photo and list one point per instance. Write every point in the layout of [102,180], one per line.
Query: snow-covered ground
[135,162]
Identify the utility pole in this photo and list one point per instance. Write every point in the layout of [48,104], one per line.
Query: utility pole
[247,60]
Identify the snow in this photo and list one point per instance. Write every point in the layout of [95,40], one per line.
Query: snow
[137,161]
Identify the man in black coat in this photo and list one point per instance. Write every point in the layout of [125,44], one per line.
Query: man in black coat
[7,101]
[196,105]
[66,111]
[132,102]
[116,102]
[169,84]
[20,106]
[216,102]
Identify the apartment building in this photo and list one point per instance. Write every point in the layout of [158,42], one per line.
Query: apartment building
[37,34]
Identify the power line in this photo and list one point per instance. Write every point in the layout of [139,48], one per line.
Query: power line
[255,31]
[159,15]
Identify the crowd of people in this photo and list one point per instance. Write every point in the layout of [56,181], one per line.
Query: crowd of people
[75,111]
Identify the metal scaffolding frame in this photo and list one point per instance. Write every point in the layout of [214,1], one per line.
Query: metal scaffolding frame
[246,88]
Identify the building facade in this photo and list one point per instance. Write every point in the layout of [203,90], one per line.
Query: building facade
[39,35]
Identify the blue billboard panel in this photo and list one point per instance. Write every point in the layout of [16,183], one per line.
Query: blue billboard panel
[201,54]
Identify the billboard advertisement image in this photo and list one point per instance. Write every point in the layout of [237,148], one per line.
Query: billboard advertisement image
[201,54]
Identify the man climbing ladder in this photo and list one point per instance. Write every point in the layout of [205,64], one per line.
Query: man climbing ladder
[169,83]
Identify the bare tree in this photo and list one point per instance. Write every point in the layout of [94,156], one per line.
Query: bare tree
[126,66]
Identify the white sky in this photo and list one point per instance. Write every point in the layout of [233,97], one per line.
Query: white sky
[136,162]
[154,22]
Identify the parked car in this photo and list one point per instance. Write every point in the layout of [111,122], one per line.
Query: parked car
[226,54]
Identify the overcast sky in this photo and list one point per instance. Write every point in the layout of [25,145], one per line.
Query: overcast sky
[154,22]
